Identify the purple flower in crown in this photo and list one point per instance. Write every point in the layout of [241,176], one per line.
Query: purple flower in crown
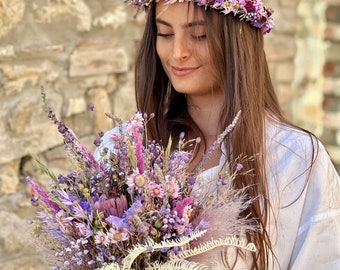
[252,11]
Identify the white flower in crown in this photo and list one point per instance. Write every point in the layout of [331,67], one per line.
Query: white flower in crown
[252,11]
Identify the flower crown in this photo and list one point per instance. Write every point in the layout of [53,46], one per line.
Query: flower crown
[252,11]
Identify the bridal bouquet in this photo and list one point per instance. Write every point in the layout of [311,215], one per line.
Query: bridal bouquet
[131,206]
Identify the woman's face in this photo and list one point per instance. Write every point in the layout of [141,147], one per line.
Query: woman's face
[183,49]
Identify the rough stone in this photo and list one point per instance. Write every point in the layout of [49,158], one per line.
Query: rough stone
[332,32]
[37,134]
[101,102]
[114,18]
[280,48]
[331,120]
[20,117]
[94,61]
[77,9]
[286,20]
[95,81]
[75,106]
[332,86]
[16,77]
[15,238]
[307,113]
[11,13]
[124,98]
[332,53]
[7,51]
[285,72]
[9,177]
[16,249]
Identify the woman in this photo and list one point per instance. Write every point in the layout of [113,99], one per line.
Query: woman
[196,69]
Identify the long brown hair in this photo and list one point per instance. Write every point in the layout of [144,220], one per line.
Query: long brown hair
[238,53]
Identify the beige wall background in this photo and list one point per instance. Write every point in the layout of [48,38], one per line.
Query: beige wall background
[83,52]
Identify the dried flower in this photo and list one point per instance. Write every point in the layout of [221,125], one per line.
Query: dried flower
[133,198]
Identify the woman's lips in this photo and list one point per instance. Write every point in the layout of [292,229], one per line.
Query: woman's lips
[182,71]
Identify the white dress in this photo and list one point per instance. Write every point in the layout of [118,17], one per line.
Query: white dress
[305,232]
[308,230]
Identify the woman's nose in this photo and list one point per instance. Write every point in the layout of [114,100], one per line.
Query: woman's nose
[181,49]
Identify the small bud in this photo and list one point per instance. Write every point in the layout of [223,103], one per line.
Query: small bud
[239,167]
[34,200]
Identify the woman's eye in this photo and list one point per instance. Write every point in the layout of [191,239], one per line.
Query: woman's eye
[199,37]
[164,35]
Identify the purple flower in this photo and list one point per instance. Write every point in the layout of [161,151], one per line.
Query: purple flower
[112,206]
[239,167]
[34,200]
[139,152]
[43,196]
[117,222]
[134,209]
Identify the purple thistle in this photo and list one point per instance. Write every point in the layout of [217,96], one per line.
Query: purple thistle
[43,196]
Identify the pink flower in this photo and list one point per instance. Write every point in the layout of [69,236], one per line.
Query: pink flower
[116,236]
[136,123]
[186,214]
[136,181]
[156,191]
[180,206]
[172,188]
[102,238]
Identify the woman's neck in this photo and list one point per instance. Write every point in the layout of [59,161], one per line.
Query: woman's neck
[206,113]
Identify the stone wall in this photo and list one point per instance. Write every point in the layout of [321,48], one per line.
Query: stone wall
[331,88]
[83,52]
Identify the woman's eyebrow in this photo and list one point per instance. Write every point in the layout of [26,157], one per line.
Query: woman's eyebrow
[186,25]
[195,23]
[160,21]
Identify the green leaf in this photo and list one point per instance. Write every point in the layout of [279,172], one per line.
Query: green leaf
[44,168]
